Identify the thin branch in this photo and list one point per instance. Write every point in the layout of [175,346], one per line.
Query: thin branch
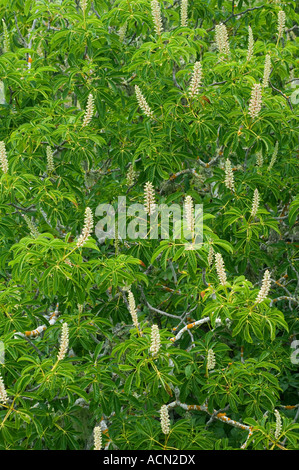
[23,40]
[282,94]
[233,15]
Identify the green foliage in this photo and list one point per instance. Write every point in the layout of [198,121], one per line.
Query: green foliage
[54,54]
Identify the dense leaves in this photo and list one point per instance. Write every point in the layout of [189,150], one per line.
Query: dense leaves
[75,133]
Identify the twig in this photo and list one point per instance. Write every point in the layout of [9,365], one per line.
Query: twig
[216,415]
[189,326]
[233,15]
[282,94]
[23,40]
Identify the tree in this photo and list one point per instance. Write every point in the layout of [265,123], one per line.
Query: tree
[152,342]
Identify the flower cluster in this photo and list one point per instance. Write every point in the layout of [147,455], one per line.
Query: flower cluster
[220,269]
[221,37]
[3,158]
[50,160]
[264,290]
[229,176]
[32,227]
[6,45]
[189,208]
[274,156]
[122,31]
[83,5]
[132,309]
[39,49]
[210,255]
[255,104]
[87,229]
[80,308]
[3,393]
[155,340]
[131,175]
[64,342]
[255,203]
[143,103]
[195,80]
[211,360]
[157,18]
[281,20]
[89,110]
[259,159]
[250,44]
[149,198]
[278,425]
[97,433]
[184,13]
[267,70]
[165,421]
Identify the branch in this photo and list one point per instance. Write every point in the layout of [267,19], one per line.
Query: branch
[156,310]
[95,11]
[175,80]
[189,326]
[283,297]
[282,94]
[291,29]
[216,415]
[233,15]
[52,318]
[23,40]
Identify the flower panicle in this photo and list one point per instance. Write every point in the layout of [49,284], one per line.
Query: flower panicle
[281,20]
[32,227]
[64,342]
[131,175]
[255,203]
[184,13]
[6,41]
[133,309]
[155,340]
[3,393]
[255,104]
[83,5]
[149,198]
[122,31]
[80,308]
[278,424]
[87,229]
[221,37]
[211,360]
[210,255]
[97,434]
[157,17]
[89,110]
[220,269]
[50,160]
[267,71]
[195,79]
[274,156]
[229,176]
[3,158]
[259,159]
[250,44]
[264,290]
[165,421]
[189,211]
[143,103]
